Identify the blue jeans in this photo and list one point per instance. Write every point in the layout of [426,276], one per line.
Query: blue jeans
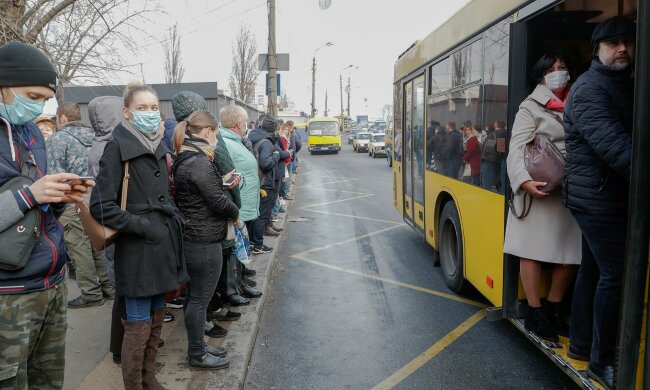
[597,294]
[140,308]
[489,174]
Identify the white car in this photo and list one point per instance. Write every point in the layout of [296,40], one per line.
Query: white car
[360,143]
[376,145]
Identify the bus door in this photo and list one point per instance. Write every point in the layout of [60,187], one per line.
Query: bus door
[407,153]
[418,131]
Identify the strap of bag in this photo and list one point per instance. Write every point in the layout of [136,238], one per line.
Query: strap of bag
[125,186]
[528,202]
[549,111]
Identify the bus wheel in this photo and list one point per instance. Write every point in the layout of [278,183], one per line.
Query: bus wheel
[450,243]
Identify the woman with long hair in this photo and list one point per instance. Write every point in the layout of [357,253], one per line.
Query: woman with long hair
[148,250]
[472,155]
[206,209]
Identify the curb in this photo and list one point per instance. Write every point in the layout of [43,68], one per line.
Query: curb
[242,334]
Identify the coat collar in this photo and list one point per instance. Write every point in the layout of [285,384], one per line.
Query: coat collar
[131,147]
[542,94]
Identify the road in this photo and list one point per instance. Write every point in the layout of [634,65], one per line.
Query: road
[356,303]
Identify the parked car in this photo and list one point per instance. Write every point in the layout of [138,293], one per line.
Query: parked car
[376,145]
[360,143]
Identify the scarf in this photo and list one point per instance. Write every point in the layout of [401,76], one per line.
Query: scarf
[192,143]
[148,140]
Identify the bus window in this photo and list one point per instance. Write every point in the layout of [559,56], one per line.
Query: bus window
[495,105]
[440,79]
[466,64]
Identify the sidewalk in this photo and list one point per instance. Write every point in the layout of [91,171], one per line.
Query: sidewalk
[173,371]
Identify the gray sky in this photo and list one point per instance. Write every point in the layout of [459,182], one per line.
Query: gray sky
[366,33]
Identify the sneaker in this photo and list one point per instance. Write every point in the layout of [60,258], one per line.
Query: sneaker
[270,232]
[276,219]
[176,303]
[216,332]
[258,250]
[225,315]
[169,317]
[277,229]
[81,302]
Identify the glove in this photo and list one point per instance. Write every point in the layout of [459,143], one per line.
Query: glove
[263,193]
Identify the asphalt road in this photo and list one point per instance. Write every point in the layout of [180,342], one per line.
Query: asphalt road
[355,301]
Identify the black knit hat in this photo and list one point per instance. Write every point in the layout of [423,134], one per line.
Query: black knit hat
[269,124]
[24,65]
[613,28]
[185,103]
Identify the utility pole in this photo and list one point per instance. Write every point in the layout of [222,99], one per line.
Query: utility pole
[349,91]
[273,92]
[341,88]
[313,89]
[326,110]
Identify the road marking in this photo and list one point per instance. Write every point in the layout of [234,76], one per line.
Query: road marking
[331,190]
[339,181]
[353,216]
[430,353]
[338,201]
[390,281]
[320,248]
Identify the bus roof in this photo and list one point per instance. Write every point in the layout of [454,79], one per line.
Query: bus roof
[325,119]
[469,20]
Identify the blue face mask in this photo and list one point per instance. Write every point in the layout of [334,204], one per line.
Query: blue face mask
[146,121]
[22,110]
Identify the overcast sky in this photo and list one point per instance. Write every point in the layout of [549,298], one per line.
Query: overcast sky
[369,34]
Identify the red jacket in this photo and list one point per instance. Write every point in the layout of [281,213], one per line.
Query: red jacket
[285,146]
[473,155]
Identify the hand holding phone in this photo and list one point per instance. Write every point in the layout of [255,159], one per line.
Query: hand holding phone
[231,179]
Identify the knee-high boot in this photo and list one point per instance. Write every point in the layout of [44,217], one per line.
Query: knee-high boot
[117,329]
[228,284]
[149,369]
[247,290]
[136,336]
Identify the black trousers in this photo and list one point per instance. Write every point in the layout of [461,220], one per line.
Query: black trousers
[256,233]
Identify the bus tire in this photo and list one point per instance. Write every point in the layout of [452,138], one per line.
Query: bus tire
[450,247]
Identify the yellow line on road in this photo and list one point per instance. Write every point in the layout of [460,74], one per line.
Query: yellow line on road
[430,353]
[390,281]
[338,201]
[320,248]
[353,216]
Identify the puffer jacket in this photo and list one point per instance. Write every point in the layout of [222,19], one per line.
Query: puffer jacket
[68,149]
[268,159]
[598,127]
[200,197]
[45,266]
[245,164]
[104,112]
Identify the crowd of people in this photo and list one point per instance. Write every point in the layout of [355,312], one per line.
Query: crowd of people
[191,197]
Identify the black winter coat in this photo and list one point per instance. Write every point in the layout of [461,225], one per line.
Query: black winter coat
[149,250]
[267,160]
[201,198]
[454,143]
[598,126]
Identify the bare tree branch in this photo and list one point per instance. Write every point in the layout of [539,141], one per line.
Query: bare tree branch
[244,66]
[32,34]
[174,70]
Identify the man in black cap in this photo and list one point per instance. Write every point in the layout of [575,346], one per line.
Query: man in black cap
[33,295]
[598,126]
[267,160]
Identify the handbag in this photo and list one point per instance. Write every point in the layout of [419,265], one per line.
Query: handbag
[18,240]
[102,236]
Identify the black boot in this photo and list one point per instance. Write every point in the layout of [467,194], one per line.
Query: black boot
[228,286]
[538,323]
[247,290]
[554,313]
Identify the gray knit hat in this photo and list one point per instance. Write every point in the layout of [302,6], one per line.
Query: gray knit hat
[185,103]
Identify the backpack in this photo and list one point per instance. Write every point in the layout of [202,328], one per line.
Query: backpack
[256,152]
[489,149]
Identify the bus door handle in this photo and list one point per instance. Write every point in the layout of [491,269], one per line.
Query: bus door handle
[421,215]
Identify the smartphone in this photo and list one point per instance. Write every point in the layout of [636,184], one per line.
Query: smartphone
[228,183]
[81,179]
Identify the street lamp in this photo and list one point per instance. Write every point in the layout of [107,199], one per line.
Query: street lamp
[341,87]
[313,80]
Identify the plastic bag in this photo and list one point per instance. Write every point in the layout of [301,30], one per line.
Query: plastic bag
[242,248]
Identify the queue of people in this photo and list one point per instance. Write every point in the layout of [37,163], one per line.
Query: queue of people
[186,196]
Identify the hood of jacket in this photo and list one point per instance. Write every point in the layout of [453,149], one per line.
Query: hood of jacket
[80,131]
[259,134]
[105,112]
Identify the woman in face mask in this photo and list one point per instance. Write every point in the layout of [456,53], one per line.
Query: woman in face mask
[548,233]
[149,248]
[201,199]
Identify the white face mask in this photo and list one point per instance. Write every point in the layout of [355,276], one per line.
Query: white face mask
[556,81]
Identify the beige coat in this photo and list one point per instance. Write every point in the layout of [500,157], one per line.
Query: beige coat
[549,233]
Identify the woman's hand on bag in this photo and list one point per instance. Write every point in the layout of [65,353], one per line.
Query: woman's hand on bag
[532,187]
[55,189]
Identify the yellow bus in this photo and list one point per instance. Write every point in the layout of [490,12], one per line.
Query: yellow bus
[475,67]
[323,135]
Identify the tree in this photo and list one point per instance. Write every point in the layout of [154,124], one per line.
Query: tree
[79,36]
[174,70]
[244,70]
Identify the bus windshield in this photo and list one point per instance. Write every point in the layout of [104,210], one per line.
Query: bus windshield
[323,128]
